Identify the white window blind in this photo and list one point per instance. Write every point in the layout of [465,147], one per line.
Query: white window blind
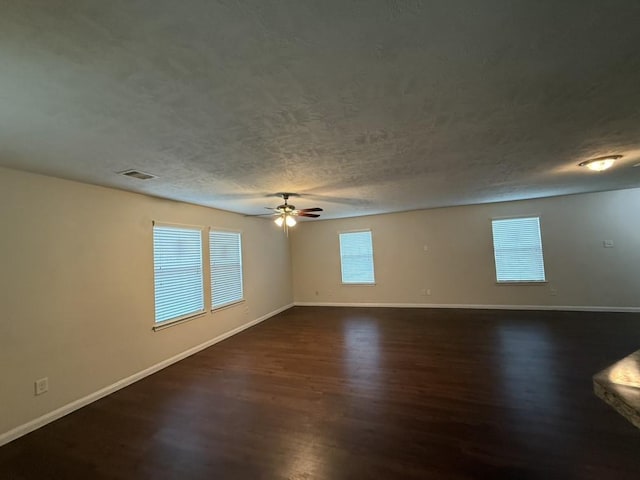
[226,268]
[177,265]
[356,257]
[517,247]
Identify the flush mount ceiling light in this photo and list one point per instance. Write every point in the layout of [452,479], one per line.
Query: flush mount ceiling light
[601,163]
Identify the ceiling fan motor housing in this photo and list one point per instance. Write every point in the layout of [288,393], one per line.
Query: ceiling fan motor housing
[285,208]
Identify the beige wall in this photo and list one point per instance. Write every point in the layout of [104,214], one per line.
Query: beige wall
[76,288]
[458,265]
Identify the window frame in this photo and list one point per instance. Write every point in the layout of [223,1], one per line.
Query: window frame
[493,248]
[373,263]
[158,325]
[229,304]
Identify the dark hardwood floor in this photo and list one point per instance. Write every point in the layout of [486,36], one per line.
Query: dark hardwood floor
[333,393]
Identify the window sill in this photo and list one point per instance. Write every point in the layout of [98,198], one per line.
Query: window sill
[355,284]
[525,283]
[177,321]
[227,305]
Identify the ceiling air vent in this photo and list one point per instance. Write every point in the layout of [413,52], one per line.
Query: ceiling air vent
[137,174]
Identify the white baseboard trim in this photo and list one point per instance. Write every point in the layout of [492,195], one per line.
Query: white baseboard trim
[569,308]
[28,427]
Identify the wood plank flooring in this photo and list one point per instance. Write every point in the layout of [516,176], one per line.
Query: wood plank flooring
[340,393]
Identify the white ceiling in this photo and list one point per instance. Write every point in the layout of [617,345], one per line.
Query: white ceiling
[361,106]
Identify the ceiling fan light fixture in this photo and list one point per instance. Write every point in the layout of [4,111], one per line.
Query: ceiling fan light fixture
[600,164]
[286,213]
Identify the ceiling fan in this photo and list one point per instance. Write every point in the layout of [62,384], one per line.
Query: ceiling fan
[285,214]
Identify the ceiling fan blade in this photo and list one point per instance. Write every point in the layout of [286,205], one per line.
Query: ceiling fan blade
[312,215]
[262,215]
[314,209]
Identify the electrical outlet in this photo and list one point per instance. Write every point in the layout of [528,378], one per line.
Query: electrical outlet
[607,243]
[41,385]
[553,292]
[428,291]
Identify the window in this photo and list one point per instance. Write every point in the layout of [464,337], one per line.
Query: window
[226,268]
[177,268]
[356,257]
[517,247]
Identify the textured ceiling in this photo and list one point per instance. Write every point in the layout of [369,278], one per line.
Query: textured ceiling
[361,106]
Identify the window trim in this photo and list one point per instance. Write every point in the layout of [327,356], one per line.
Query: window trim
[235,302]
[521,283]
[189,316]
[373,262]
